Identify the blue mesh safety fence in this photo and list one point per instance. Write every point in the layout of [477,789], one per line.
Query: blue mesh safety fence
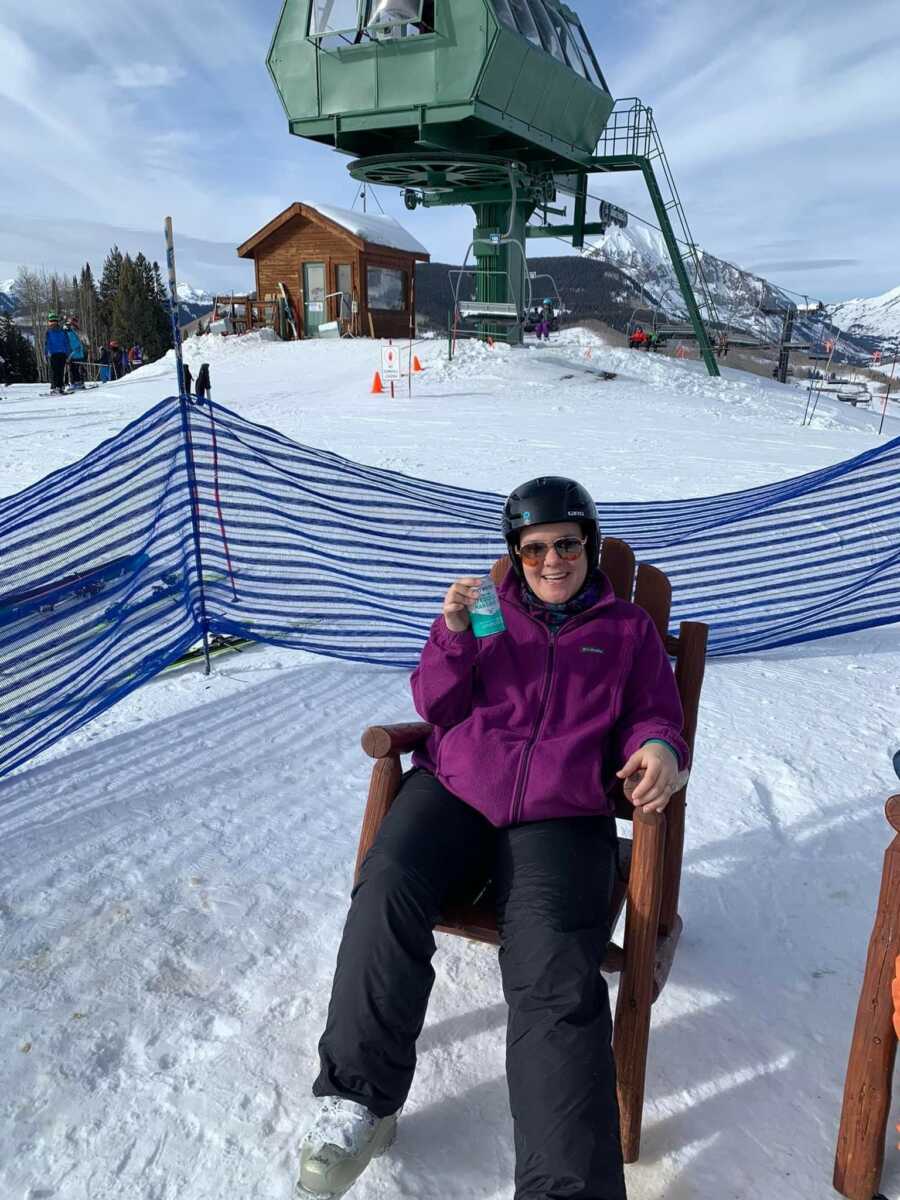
[109,568]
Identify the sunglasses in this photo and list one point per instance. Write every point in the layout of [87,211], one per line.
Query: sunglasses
[568,548]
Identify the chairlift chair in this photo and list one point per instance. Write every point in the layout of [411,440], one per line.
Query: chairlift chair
[508,316]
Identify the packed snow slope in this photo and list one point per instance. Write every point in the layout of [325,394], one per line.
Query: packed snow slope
[174,877]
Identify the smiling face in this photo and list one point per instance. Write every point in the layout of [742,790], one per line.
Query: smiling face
[554,580]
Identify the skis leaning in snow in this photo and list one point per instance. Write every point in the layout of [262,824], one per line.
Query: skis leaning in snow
[217,645]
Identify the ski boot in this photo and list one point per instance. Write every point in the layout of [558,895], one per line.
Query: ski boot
[341,1142]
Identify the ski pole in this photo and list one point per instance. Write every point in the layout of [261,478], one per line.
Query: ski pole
[887,394]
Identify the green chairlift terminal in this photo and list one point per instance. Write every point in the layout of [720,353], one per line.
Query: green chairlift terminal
[497,104]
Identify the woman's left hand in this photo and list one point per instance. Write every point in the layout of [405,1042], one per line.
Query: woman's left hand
[658,777]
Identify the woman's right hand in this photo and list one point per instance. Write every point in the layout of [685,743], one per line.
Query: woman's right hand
[461,597]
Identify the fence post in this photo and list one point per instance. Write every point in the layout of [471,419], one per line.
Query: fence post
[867,1089]
[184,403]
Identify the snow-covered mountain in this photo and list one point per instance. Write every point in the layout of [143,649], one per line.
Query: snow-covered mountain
[8,302]
[740,297]
[192,295]
[878,318]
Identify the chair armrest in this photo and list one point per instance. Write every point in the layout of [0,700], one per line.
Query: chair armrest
[681,782]
[380,741]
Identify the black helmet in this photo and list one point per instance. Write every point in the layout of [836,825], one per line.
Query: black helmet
[549,500]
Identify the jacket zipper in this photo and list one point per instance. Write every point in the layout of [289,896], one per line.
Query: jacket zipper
[519,794]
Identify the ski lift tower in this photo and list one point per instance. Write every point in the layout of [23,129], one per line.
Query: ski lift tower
[497,104]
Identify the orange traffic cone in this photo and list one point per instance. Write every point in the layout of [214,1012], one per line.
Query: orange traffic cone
[377,385]
[417,366]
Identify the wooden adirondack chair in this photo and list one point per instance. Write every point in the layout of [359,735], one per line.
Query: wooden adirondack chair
[651,860]
[859,1157]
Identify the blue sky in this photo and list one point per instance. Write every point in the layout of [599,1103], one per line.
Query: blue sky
[780,121]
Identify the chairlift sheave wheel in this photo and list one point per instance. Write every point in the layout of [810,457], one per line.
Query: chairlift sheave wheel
[437,171]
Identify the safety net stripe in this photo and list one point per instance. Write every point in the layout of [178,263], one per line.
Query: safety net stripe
[109,568]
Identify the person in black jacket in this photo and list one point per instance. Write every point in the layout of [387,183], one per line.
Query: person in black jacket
[116,359]
[203,385]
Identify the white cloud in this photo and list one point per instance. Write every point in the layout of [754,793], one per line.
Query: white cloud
[146,75]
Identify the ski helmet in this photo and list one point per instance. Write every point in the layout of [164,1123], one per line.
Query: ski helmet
[550,499]
[52,316]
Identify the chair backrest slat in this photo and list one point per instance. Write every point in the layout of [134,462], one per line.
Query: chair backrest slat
[617,564]
[499,569]
[653,593]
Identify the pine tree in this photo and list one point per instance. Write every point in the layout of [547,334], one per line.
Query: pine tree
[109,286]
[89,311]
[21,364]
[162,321]
[128,308]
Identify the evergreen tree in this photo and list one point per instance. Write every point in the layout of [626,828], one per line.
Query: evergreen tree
[21,364]
[162,321]
[89,311]
[129,310]
[109,286]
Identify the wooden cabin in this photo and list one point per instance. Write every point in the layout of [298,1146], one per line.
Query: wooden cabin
[344,272]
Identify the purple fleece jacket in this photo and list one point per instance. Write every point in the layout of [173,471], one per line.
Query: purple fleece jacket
[531,725]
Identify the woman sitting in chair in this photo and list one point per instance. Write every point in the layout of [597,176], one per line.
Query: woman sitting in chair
[532,726]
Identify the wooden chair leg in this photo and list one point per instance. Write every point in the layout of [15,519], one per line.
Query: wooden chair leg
[867,1089]
[385,781]
[632,1028]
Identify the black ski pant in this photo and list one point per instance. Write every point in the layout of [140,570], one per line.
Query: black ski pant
[552,882]
[58,370]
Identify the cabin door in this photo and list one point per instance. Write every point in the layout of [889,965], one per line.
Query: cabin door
[313,298]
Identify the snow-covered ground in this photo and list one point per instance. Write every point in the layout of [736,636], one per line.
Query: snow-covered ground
[174,876]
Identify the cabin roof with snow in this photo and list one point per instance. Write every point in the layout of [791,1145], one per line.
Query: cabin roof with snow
[364,229]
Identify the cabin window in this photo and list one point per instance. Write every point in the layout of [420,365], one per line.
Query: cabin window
[517,14]
[334,17]
[335,23]
[398,18]
[387,289]
[569,46]
[587,55]
[549,38]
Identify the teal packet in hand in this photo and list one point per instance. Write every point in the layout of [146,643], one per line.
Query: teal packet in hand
[486,616]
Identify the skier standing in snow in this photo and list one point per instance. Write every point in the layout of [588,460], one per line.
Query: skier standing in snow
[76,354]
[56,351]
[203,384]
[532,726]
[116,360]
